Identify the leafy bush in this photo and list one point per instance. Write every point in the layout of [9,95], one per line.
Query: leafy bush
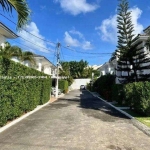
[21,88]
[103,86]
[138,96]
[63,85]
[118,93]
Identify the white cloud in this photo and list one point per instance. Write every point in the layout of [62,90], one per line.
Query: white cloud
[108,28]
[136,14]
[71,41]
[77,33]
[76,7]
[38,45]
[87,45]
[79,41]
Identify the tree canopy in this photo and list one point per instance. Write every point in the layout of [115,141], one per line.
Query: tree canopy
[77,69]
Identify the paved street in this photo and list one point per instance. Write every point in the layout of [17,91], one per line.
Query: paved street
[77,121]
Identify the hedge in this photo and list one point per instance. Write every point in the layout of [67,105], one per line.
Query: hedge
[22,89]
[103,86]
[137,95]
[63,85]
[118,93]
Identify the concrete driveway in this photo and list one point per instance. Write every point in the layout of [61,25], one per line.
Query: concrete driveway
[77,121]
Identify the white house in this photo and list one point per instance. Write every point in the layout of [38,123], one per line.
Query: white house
[44,65]
[6,33]
[107,68]
[95,67]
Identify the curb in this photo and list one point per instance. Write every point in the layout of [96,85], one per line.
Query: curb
[135,122]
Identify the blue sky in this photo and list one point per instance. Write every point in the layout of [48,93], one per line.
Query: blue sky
[88,27]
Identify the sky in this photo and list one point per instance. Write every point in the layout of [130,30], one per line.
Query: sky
[86,29]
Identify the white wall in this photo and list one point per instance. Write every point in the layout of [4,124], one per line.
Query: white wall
[2,40]
[77,82]
[47,70]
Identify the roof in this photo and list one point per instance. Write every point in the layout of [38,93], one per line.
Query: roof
[44,60]
[147,30]
[6,32]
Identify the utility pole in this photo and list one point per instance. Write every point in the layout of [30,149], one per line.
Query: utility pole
[57,77]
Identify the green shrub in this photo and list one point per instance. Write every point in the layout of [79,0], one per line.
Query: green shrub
[118,93]
[138,96]
[63,85]
[103,86]
[22,89]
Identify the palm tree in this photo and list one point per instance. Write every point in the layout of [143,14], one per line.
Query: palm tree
[21,7]
[28,56]
[5,51]
[9,51]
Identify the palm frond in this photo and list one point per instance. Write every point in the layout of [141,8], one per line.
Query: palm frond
[21,7]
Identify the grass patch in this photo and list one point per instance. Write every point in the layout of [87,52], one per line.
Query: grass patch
[145,120]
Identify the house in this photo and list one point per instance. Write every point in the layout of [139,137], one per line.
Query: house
[42,63]
[6,33]
[107,68]
[95,67]
[45,66]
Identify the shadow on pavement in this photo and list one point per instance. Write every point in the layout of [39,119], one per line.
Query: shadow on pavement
[88,101]
[91,106]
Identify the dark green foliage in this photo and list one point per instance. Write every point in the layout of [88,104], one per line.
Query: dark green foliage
[63,85]
[77,69]
[21,88]
[138,96]
[70,80]
[103,86]
[118,93]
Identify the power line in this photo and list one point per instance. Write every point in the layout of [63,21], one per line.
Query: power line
[36,44]
[62,53]
[56,43]
[28,31]
[86,52]
[82,56]
[32,43]
[55,54]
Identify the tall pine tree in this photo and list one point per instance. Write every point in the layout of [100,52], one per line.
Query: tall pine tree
[131,56]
